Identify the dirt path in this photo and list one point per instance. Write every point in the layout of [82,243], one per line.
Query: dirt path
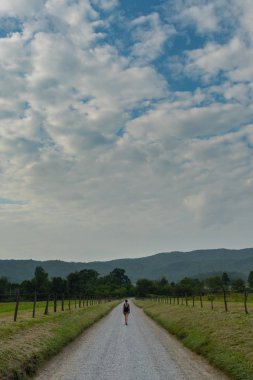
[142,350]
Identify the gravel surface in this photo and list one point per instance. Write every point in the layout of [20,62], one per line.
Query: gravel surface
[142,350]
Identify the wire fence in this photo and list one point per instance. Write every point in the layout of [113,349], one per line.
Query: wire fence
[226,301]
[33,304]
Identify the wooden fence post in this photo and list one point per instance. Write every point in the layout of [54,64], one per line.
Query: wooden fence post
[186,299]
[47,304]
[225,298]
[34,304]
[193,300]
[17,306]
[62,302]
[245,301]
[55,303]
[201,300]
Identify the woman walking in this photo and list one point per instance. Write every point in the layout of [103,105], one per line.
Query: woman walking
[126,311]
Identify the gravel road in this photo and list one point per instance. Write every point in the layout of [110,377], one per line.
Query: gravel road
[142,350]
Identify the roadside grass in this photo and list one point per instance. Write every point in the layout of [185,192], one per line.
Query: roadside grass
[225,339]
[235,302]
[26,307]
[28,343]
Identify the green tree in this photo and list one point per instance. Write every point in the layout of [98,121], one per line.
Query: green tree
[238,285]
[40,280]
[250,279]
[27,286]
[4,285]
[144,287]
[190,286]
[82,282]
[118,277]
[59,285]
[225,279]
[214,284]
[162,286]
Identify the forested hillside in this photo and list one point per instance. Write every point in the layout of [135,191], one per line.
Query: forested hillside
[173,265]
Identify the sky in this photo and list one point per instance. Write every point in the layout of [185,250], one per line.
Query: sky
[126,127]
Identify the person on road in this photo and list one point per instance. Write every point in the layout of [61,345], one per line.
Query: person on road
[126,311]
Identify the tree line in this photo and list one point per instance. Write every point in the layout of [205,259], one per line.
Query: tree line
[193,286]
[85,282]
[118,284]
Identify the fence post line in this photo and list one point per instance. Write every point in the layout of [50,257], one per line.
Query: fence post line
[62,302]
[34,303]
[17,306]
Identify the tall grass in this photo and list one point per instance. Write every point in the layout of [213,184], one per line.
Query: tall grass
[26,344]
[225,339]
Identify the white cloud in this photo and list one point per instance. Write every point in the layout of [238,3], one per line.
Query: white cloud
[203,17]
[188,119]
[105,4]
[214,58]
[20,8]
[101,151]
[150,35]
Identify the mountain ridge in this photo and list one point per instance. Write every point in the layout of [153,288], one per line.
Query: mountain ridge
[174,265]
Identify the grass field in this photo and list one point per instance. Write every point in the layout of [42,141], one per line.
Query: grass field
[235,302]
[26,308]
[27,343]
[225,339]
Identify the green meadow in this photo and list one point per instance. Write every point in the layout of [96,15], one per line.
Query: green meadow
[224,338]
[29,342]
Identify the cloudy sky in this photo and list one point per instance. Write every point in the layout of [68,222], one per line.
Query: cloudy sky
[126,127]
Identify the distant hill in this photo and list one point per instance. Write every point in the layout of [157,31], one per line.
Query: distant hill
[173,265]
